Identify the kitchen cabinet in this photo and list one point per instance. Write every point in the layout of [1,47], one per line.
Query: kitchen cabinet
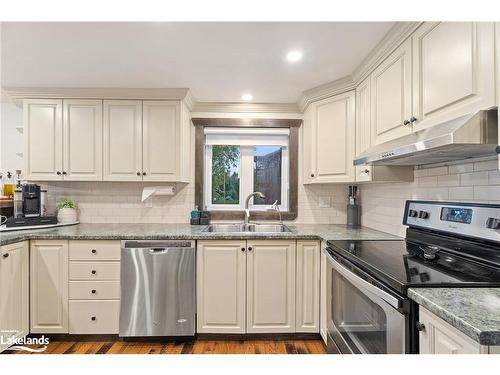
[221,286]
[329,140]
[14,299]
[323,308]
[270,286]
[43,139]
[247,286]
[62,139]
[453,71]
[391,96]
[122,140]
[82,140]
[49,286]
[146,140]
[439,337]
[308,286]
[375,173]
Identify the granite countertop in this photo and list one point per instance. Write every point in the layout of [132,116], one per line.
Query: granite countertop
[186,231]
[473,311]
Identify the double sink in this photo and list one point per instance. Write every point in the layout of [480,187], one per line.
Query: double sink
[246,228]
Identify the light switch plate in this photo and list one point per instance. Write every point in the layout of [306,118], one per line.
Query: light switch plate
[325,201]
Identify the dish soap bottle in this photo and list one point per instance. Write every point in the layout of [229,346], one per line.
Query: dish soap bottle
[8,186]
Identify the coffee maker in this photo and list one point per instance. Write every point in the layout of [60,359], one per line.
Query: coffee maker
[29,207]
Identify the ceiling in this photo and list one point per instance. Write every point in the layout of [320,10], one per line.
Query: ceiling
[217,61]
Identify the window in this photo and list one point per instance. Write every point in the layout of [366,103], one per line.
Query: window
[239,162]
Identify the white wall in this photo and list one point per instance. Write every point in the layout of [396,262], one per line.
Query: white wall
[469,181]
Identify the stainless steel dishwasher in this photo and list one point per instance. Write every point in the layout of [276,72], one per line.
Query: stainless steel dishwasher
[157,288]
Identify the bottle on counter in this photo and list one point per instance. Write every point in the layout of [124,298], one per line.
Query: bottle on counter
[8,186]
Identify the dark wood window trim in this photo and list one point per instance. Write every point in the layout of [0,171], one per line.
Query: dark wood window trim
[293,144]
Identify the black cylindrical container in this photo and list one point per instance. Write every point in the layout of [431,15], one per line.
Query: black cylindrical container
[353,215]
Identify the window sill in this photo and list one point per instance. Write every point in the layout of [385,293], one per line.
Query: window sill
[254,215]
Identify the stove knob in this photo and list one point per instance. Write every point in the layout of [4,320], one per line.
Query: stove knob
[493,223]
[423,215]
[412,213]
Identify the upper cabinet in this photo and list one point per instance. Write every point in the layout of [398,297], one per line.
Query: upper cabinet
[123,140]
[391,96]
[453,70]
[329,136]
[110,140]
[63,139]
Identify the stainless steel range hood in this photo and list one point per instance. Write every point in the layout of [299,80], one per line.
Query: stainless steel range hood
[469,136]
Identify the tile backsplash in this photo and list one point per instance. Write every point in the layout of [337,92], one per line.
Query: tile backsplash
[471,181]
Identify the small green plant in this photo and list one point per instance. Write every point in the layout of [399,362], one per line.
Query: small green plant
[67,203]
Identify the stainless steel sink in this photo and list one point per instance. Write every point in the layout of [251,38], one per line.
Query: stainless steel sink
[242,228]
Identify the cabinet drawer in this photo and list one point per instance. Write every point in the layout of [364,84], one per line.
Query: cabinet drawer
[94,250]
[94,271]
[94,317]
[94,290]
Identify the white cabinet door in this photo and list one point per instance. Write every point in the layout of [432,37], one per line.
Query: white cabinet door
[307,312]
[331,139]
[391,95]
[453,70]
[14,299]
[43,137]
[122,140]
[49,286]
[221,286]
[323,330]
[161,140]
[270,286]
[363,127]
[439,337]
[82,146]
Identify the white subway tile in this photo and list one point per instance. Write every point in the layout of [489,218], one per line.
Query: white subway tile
[459,193]
[487,193]
[449,180]
[486,165]
[437,171]
[474,178]
[461,168]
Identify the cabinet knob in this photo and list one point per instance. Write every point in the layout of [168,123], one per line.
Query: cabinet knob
[420,326]
[92,318]
[413,119]
[143,173]
[406,122]
[312,174]
[242,249]
[64,173]
[366,171]
[138,173]
[94,272]
[93,291]
[58,173]
[6,255]
[250,248]
[94,251]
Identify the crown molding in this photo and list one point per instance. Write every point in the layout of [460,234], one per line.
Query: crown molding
[223,107]
[394,37]
[17,94]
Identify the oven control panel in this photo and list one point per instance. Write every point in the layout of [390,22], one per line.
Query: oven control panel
[465,219]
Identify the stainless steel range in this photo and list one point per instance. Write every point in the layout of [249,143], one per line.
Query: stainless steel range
[446,245]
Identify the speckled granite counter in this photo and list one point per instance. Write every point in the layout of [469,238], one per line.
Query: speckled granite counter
[186,231]
[473,311]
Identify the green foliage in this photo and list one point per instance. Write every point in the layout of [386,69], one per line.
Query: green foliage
[67,203]
[225,177]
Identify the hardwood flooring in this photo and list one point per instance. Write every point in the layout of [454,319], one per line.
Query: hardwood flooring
[190,347]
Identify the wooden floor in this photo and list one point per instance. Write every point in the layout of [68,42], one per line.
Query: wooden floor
[194,347]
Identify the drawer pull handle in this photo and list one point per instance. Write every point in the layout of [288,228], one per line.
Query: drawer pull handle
[94,291]
[94,251]
[94,272]
[93,318]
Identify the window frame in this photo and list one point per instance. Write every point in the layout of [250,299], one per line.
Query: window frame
[292,168]
[246,185]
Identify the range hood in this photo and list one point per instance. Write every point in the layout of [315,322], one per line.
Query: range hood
[470,136]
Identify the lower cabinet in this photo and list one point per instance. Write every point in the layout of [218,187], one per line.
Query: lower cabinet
[14,297]
[439,337]
[323,308]
[49,286]
[256,286]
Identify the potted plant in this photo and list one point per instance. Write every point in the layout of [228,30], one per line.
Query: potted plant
[67,211]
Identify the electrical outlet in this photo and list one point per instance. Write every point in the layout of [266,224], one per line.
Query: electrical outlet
[325,201]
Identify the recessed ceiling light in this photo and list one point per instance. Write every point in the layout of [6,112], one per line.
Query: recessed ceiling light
[247,97]
[294,56]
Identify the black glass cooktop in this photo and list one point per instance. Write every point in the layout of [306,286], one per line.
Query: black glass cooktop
[401,265]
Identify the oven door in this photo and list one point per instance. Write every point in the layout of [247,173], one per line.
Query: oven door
[361,317]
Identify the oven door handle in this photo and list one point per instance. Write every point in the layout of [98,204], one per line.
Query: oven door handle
[362,284]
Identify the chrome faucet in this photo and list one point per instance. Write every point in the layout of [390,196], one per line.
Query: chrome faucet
[247,211]
[276,207]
